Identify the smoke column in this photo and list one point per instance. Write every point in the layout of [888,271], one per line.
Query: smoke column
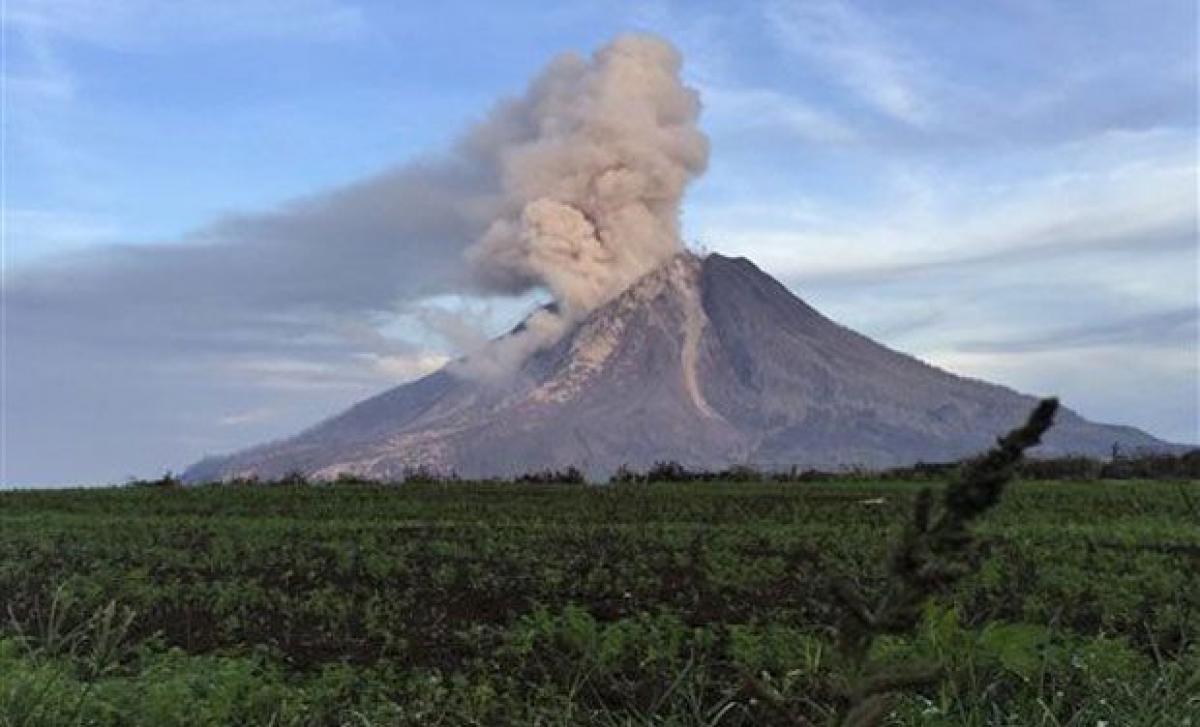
[573,187]
[593,162]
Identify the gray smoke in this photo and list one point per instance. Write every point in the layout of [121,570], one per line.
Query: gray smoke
[593,163]
[573,187]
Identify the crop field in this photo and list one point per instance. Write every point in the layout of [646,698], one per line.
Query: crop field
[640,604]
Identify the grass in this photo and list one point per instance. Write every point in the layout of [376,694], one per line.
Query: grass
[555,605]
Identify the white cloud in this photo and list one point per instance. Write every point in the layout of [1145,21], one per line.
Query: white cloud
[38,74]
[855,51]
[290,374]
[30,232]
[249,416]
[362,371]
[399,368]
[1100,202]
[750,110]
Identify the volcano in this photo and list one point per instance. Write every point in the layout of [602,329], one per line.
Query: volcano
[708,362]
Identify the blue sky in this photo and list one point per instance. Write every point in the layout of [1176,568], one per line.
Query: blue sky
[1006,189]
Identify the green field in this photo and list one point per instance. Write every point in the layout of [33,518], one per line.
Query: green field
[640,604]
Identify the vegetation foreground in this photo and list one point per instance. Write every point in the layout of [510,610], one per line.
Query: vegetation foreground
[545,604]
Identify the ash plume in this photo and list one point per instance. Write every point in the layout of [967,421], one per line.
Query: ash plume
[593,163]
[573,187]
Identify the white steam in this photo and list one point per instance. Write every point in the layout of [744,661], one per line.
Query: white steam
[593,163]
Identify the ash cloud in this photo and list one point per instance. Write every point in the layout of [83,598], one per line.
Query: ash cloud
[594,161]
[574,187]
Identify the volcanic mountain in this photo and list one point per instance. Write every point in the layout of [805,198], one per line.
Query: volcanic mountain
[705,361]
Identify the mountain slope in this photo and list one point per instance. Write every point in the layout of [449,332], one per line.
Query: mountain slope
[707,362]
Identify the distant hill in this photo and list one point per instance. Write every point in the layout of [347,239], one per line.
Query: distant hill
[709,362]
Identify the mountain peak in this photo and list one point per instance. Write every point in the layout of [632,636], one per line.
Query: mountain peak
[665,303]
[706,361]
[680,275]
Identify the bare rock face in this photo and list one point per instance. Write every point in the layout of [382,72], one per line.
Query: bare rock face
[709,362]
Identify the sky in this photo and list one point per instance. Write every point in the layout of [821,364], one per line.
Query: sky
[226,220]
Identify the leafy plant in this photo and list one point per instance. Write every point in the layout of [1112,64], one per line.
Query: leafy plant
[932,553]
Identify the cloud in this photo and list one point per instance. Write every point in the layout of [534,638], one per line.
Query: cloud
[1157,391]
[1007,76]
[855,51]
[755,110]
[1171,329]
[290,278]
[1115,190]
[405,367]
[286,310]
[287,373]
[149,25]
[461,329]
[29,231]
[249,416]
[282,309]
[38,75]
